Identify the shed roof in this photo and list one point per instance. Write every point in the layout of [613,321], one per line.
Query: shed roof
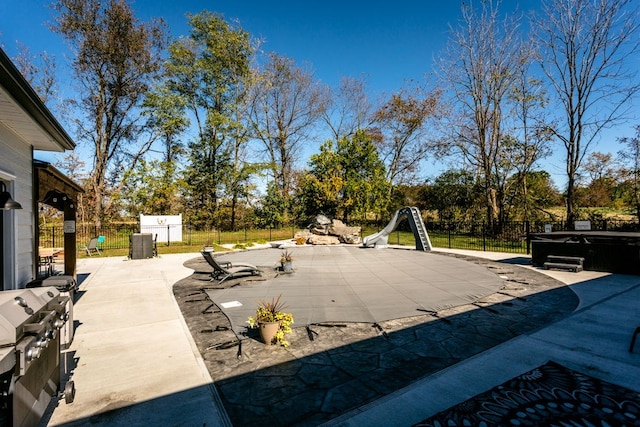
[22,111]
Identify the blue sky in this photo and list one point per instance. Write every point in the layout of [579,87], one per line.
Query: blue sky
[386,42]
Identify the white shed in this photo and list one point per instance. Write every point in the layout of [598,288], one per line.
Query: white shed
[165,228]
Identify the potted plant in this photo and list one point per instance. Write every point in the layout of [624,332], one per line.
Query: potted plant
[208,246]
[286,261]
[272,322]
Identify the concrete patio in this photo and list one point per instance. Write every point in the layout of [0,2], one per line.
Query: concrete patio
[134,360]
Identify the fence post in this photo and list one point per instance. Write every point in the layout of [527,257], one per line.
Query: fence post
[245,234]
[449,234]
[527,229]
[484,237]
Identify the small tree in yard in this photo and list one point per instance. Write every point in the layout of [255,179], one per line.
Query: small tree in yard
[346,179]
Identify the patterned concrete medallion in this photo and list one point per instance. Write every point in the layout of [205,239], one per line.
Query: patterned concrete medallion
[550,395]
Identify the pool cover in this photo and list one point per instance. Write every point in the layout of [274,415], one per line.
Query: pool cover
[355,284]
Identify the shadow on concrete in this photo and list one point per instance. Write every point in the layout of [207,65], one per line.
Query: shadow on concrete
[321,386]
[519,260]
[171,410]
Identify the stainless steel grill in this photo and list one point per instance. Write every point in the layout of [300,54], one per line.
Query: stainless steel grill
[30,324]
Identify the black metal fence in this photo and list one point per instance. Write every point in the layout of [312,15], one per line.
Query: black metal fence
[117,236]
[508,237]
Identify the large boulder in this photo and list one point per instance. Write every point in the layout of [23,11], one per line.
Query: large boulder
[303,235]
[323,240]
[321,225]
[351,238]
[324,231]
[345,233]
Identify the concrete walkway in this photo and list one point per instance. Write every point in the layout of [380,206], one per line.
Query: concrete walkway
[134,361]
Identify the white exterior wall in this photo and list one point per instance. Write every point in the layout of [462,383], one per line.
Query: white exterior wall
[16,167]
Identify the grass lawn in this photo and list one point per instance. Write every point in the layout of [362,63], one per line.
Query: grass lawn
[246,239]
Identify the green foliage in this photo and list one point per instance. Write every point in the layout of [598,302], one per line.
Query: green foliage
[148,189]
[531,193]
[320,188]
[272,212]
[272,311]
[345,179]
[207,71]
[455,194]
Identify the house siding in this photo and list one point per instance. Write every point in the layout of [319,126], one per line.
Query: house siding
[16,158]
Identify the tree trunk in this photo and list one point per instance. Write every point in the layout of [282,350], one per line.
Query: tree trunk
[571,195]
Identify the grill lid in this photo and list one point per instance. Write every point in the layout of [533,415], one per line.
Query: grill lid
[20,307]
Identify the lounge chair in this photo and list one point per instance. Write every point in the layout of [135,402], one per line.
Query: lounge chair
[226,270]
[92,246]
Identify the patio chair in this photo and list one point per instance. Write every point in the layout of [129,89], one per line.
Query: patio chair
[92,246]
[226,270]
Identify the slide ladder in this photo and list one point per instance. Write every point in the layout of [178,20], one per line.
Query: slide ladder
[419,230]
[412,214]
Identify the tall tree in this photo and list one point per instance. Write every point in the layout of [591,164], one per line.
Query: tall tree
[206,70]
[403,142]
[348,108]
[239,181]
[478,68]
[584,48]
[115,59]
[165,111]
[529,129]
[286,104]
[40,71]
[630,157]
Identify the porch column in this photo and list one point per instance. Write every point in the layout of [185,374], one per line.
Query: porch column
[70,251]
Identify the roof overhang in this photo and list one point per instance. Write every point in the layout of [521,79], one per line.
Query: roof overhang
[53,186]
[24,113]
